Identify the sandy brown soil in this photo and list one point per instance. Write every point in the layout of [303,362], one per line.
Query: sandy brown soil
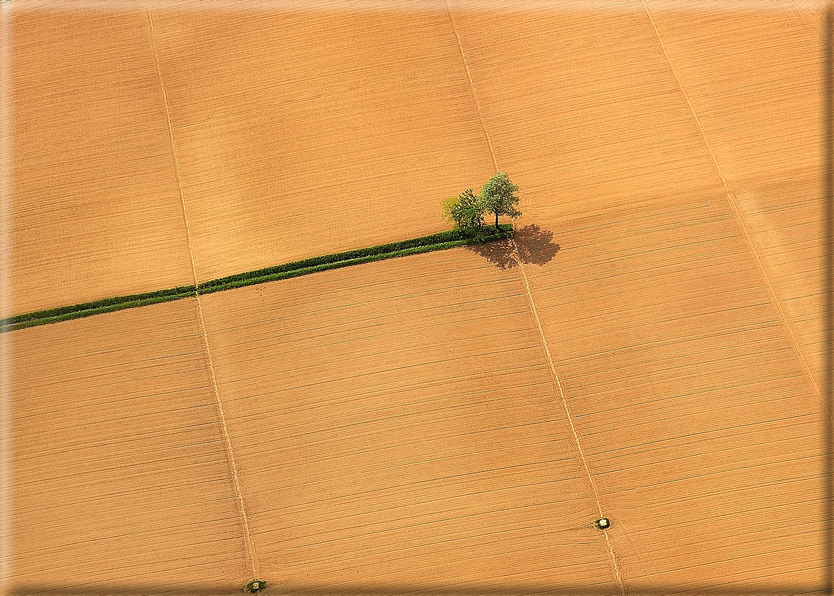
[699,424]
[582,109]
[755,81]
[95,209]
[308,133]
[692,402]
[120,477]
[395,424]
[785,221]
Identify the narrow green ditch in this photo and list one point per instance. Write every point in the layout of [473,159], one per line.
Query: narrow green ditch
[432,242]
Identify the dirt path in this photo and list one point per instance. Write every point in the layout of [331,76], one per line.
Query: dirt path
[244,522]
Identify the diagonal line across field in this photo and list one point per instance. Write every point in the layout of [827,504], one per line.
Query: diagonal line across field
[731,200]
[423,244]
[472,86]
[555,376]
[568,414]
[247,537]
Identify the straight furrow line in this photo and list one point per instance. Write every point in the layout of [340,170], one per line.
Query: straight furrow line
[535,313]
[427,484]
[440,520]
[448,541]
[578,444]
[405,504]
[731,200]
[471,85]
[732,472]
[247,538]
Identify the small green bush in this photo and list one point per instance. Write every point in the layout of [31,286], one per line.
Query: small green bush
[256,585]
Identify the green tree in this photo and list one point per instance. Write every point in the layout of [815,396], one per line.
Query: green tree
[498,197]
[465,211]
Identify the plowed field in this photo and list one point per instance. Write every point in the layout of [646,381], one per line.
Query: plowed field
[95,210]
[699,423]
[399,423]
[120,473]
[396,424]
[301,134]
[679,172]
[755,81]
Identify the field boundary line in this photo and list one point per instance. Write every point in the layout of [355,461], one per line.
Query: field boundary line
[230,457]
[533,309]
[731,200]
[576,441]
[173,150]
[403,248]
[471,84]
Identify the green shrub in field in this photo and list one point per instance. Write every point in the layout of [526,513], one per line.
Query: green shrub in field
[465,211]
[256,585]
[498,197]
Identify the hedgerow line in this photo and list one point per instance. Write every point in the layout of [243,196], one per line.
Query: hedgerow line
[423,244]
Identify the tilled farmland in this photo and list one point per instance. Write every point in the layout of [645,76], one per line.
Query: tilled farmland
[647,349]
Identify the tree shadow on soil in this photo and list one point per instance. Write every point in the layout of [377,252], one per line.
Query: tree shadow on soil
[535,246]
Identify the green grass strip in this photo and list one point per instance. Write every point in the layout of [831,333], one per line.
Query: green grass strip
[86,312]
[440,239]
[433,242]
[298,268]
[61,310]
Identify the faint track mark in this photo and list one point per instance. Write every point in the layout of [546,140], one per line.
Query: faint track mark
[731,200]
[578,444]
[532,303]
[471,85]
[247,537]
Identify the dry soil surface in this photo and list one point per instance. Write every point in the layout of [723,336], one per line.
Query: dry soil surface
[755,82]
[397,424]
[683,308]
[699,423]
[306,133]
[95,209]
[120,476]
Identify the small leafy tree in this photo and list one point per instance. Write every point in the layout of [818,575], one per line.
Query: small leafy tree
[465,211]
[498,197]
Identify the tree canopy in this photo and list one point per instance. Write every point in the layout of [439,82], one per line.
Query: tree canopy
[465,210]
[498,197]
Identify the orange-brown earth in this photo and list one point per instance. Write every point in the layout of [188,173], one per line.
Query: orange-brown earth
[755,82]
[120,477]
[700,426]
[95,210]
[301,134]
[682,312]
[396,424]
[673,307]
